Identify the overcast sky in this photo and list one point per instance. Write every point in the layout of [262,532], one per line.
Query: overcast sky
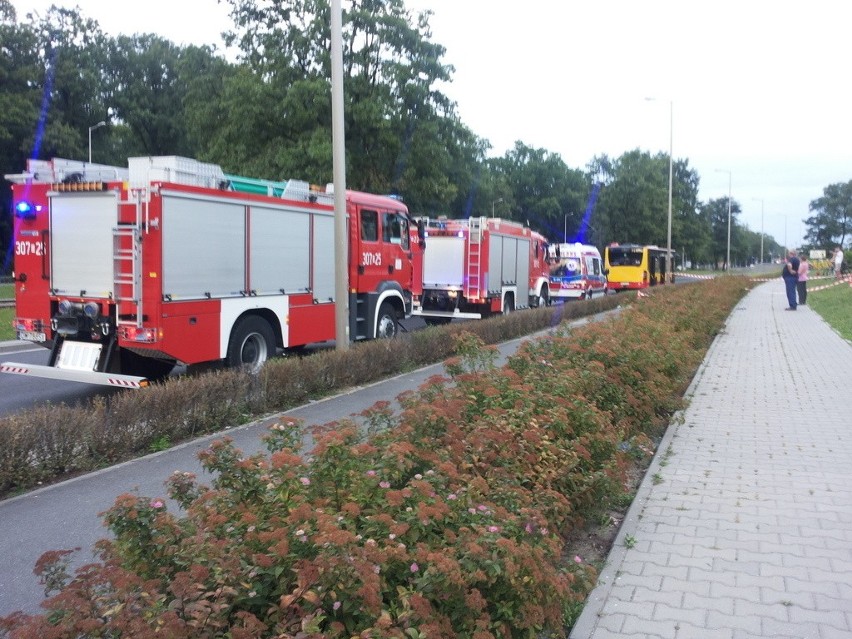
[757,88]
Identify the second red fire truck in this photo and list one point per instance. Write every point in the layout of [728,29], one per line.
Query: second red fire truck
[123,273]
[481,266]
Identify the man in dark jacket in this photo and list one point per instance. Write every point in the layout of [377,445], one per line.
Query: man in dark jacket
[791,276]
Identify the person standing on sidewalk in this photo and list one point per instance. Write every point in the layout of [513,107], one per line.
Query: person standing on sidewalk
[837,259]
[791,276]
[802,283]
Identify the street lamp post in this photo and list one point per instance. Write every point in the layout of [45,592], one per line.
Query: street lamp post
[757,199]
[671,179]
[671,175]
[338,153]
[493,204]
[728,256]
[92,128]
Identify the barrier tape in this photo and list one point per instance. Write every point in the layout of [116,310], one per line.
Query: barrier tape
[696,276]
[847,279]
[844,280]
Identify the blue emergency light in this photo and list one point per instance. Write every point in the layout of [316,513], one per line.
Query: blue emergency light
[26,211]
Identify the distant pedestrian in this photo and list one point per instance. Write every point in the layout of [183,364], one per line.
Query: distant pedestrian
[837,259]
[791,276]
[802,283]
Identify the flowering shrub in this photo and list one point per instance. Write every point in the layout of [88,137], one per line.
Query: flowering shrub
[53,441]
[447,519]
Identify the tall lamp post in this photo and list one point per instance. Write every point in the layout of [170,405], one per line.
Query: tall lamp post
[671,176]
[338,153]
[671,179]
[728,256]
[757,199]
[493,204]
[92,128]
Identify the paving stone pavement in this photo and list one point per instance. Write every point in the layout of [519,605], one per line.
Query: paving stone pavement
[742,526]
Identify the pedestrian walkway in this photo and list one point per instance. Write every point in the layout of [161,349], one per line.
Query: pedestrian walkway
[742,526]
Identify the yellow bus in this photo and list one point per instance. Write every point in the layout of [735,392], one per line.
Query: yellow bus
[634,266]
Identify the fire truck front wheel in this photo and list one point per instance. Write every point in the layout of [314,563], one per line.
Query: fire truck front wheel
[252,343]
[386,326]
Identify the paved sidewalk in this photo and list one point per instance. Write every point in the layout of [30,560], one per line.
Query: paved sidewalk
[742,527]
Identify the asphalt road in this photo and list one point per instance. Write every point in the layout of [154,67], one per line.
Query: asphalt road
[66,515]
[20,392]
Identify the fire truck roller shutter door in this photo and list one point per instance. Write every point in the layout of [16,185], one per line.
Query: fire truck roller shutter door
[252,343]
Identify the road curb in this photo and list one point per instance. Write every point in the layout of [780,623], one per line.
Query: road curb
[14,345]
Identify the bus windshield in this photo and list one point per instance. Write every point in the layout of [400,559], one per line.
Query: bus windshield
[625,257]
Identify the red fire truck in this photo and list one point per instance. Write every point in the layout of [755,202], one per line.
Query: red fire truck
[479,266]
[123,273]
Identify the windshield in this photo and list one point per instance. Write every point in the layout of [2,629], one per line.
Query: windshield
[625,257]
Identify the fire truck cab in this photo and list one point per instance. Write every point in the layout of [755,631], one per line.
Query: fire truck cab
[123,273]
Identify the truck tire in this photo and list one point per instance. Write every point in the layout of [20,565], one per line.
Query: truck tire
[386,326]
[508,305]
[252,343]
[543,298]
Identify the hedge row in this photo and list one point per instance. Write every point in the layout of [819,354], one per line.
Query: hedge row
[52,442]
[448,519]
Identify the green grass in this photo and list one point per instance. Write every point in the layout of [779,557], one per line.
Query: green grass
[7,292]
[6,316]
[834,304]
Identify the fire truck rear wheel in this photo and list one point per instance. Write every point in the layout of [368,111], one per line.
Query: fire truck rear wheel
[252,343]
[386,326]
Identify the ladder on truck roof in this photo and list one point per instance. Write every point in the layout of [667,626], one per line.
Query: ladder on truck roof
[473,279]
[127,263]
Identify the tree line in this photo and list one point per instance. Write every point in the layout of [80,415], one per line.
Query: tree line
[268,114]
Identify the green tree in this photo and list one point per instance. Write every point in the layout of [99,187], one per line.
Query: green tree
[690,236]
[545,192]
[831,221]
[19,110]
[402,135]
[73,53]
[716,214]
[147,96]
[634,202]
